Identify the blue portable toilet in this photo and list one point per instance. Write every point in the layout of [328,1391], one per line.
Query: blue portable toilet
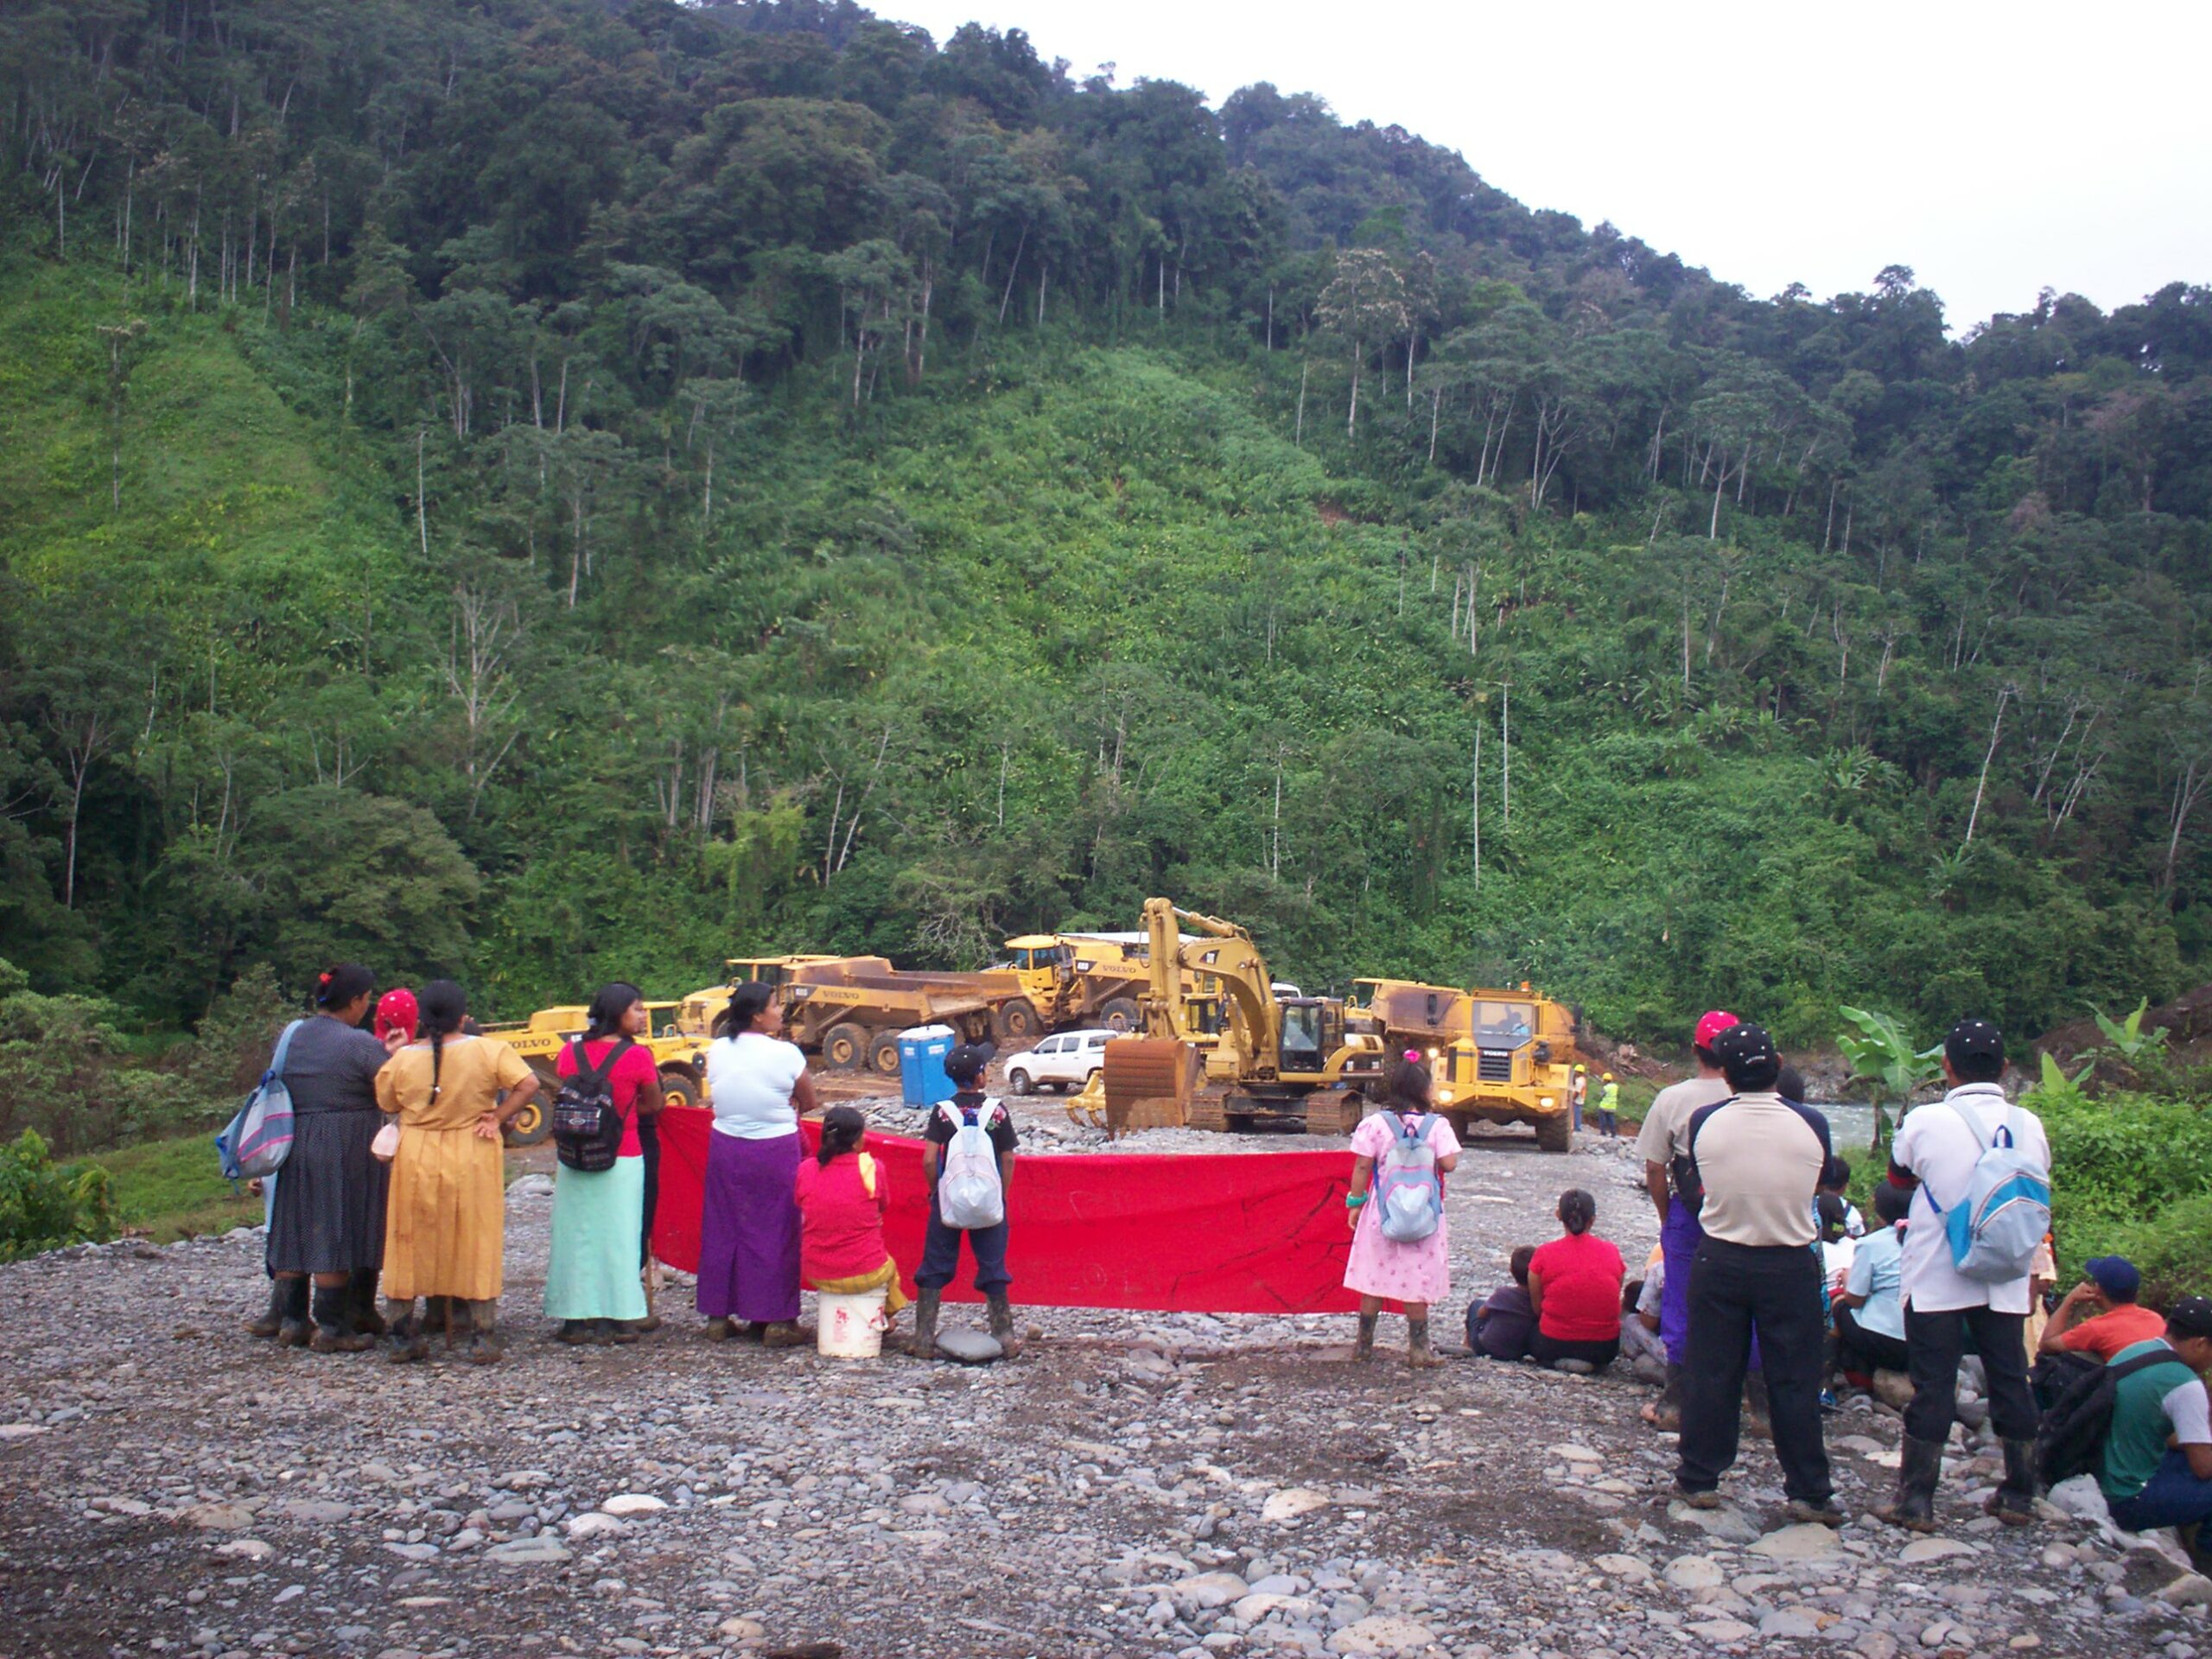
[922,1050]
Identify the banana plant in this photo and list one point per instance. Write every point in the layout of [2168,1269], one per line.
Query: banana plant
[2129,1043]
[1882,1056]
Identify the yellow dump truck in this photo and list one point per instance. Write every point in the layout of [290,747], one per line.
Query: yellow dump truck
[539,1039]
[1499,1056]
[1075,981]
[849,1010]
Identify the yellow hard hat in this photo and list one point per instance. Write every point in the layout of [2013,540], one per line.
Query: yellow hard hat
[1609,1076]
[1581,1068]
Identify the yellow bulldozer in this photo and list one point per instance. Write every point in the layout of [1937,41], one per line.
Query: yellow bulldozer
[1498,1056]
[1240,1060]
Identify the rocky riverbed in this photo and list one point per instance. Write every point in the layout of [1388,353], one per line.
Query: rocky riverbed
[1133,1485]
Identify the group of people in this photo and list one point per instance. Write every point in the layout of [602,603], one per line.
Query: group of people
[396,1174]
[1767,1281]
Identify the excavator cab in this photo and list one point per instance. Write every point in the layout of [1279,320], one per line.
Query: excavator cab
[1312,1029]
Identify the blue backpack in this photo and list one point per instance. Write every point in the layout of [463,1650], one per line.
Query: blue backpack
[259,1138]
[1408,1194]
[1997,1223]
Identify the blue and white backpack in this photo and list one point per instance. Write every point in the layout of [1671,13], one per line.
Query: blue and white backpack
[1997,1223]
[1408,1196]
[259,1138]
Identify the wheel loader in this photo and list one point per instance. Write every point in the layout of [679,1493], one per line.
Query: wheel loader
[1265,1062]
[1499,1056]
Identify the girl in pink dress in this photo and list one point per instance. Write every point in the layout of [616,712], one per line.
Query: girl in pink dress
[1415,1273]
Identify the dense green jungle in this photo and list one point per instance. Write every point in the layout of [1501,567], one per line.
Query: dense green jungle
[551,489]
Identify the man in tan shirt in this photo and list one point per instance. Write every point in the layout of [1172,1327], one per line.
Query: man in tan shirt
[1758,1158]
[1661,1142]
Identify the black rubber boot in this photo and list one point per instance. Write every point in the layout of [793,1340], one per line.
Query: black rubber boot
[1914,1505]
[407,1342]
[273,1321]
[1001,1314]
[295,1332]
[925,1324]
[333,1322]
[1758,1417]
[362,1286]
[1363,1346]
[577,1333]
[1417,1350]
[2014,1502]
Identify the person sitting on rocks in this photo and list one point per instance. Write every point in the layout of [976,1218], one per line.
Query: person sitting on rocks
[1575,1283]
[843,1192]
[1641,1345]
[1500,1327]
[1869,1312]
[2157,1455]
[1834,1180]
[2100,1316]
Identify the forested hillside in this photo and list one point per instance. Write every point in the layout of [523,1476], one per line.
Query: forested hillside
[548,489]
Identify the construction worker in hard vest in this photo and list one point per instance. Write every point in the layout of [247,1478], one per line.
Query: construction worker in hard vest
[1609,1104]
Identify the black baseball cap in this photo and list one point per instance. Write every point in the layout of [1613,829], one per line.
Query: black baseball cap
[2190,1317]
[1747,1056]
[1973,1041]
[966,1062]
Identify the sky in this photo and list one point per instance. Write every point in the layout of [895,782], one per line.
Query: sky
[1995,149]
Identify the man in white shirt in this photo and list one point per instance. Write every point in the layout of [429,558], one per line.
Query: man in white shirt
[1663,1143]
[1934,1157]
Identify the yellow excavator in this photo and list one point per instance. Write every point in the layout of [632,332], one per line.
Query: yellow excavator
[1240,1061]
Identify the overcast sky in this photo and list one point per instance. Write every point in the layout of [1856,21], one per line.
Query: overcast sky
[1996,149]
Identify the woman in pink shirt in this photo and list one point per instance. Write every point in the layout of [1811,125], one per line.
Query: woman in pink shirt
[842,1197]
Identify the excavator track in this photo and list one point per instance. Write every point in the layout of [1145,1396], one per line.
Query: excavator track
[1333,1111]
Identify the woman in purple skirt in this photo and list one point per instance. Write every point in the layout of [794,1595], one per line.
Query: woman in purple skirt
[749,1233]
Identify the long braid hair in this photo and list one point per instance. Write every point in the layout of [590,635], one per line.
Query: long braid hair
[444,1005]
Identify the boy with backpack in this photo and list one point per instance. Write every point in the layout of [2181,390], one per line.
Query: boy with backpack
[2157,1452]
[1401,1247]
[1979,1170]
[968,1159]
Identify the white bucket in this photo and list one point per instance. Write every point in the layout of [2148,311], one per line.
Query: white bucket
[850,1327]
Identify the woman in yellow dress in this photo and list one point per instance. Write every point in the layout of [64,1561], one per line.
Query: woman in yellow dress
[445,1222]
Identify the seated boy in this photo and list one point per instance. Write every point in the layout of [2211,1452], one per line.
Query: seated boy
[1502,1325]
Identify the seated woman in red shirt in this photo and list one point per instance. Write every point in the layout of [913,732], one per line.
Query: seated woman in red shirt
[841,1194]
[1575,1283]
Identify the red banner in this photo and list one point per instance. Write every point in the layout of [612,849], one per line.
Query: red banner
[1206,1233]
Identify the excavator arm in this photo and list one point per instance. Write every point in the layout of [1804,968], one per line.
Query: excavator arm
[1255,1030]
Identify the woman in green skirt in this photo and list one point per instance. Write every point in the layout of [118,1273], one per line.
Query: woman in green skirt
[593,1284]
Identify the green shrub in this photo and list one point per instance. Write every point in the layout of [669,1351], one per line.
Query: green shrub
[2123,1166]
[2173,1249]
[44,1206]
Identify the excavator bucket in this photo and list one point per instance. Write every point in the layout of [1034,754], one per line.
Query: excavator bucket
[1148,1083]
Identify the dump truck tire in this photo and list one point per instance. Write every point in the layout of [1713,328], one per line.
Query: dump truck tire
[679,1088]
[1120,1014]
[1555,1132]
[531,1124]
[883,1055]
[1017,1021]
[844,1047]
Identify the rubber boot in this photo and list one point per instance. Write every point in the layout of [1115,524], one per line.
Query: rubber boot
[1363,1346]
[271,1322]
[1001,1313]
[363,1286]
[1417,1352]
[1666,1411]
[618,1333]
[295,1332]
[1921,1466]
[333,1322]
[1759,1419]
[485,1346]
[405,1338]
[577,1333]
[2014,1502]
[926,1323]
[783,1333]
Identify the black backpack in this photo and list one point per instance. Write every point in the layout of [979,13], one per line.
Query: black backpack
[586,1129]
[2071,1440]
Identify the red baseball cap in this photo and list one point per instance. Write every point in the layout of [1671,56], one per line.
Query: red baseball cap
[1712,1026]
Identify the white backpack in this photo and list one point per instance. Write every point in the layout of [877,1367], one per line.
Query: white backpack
[969,1195]
[1997,1223]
